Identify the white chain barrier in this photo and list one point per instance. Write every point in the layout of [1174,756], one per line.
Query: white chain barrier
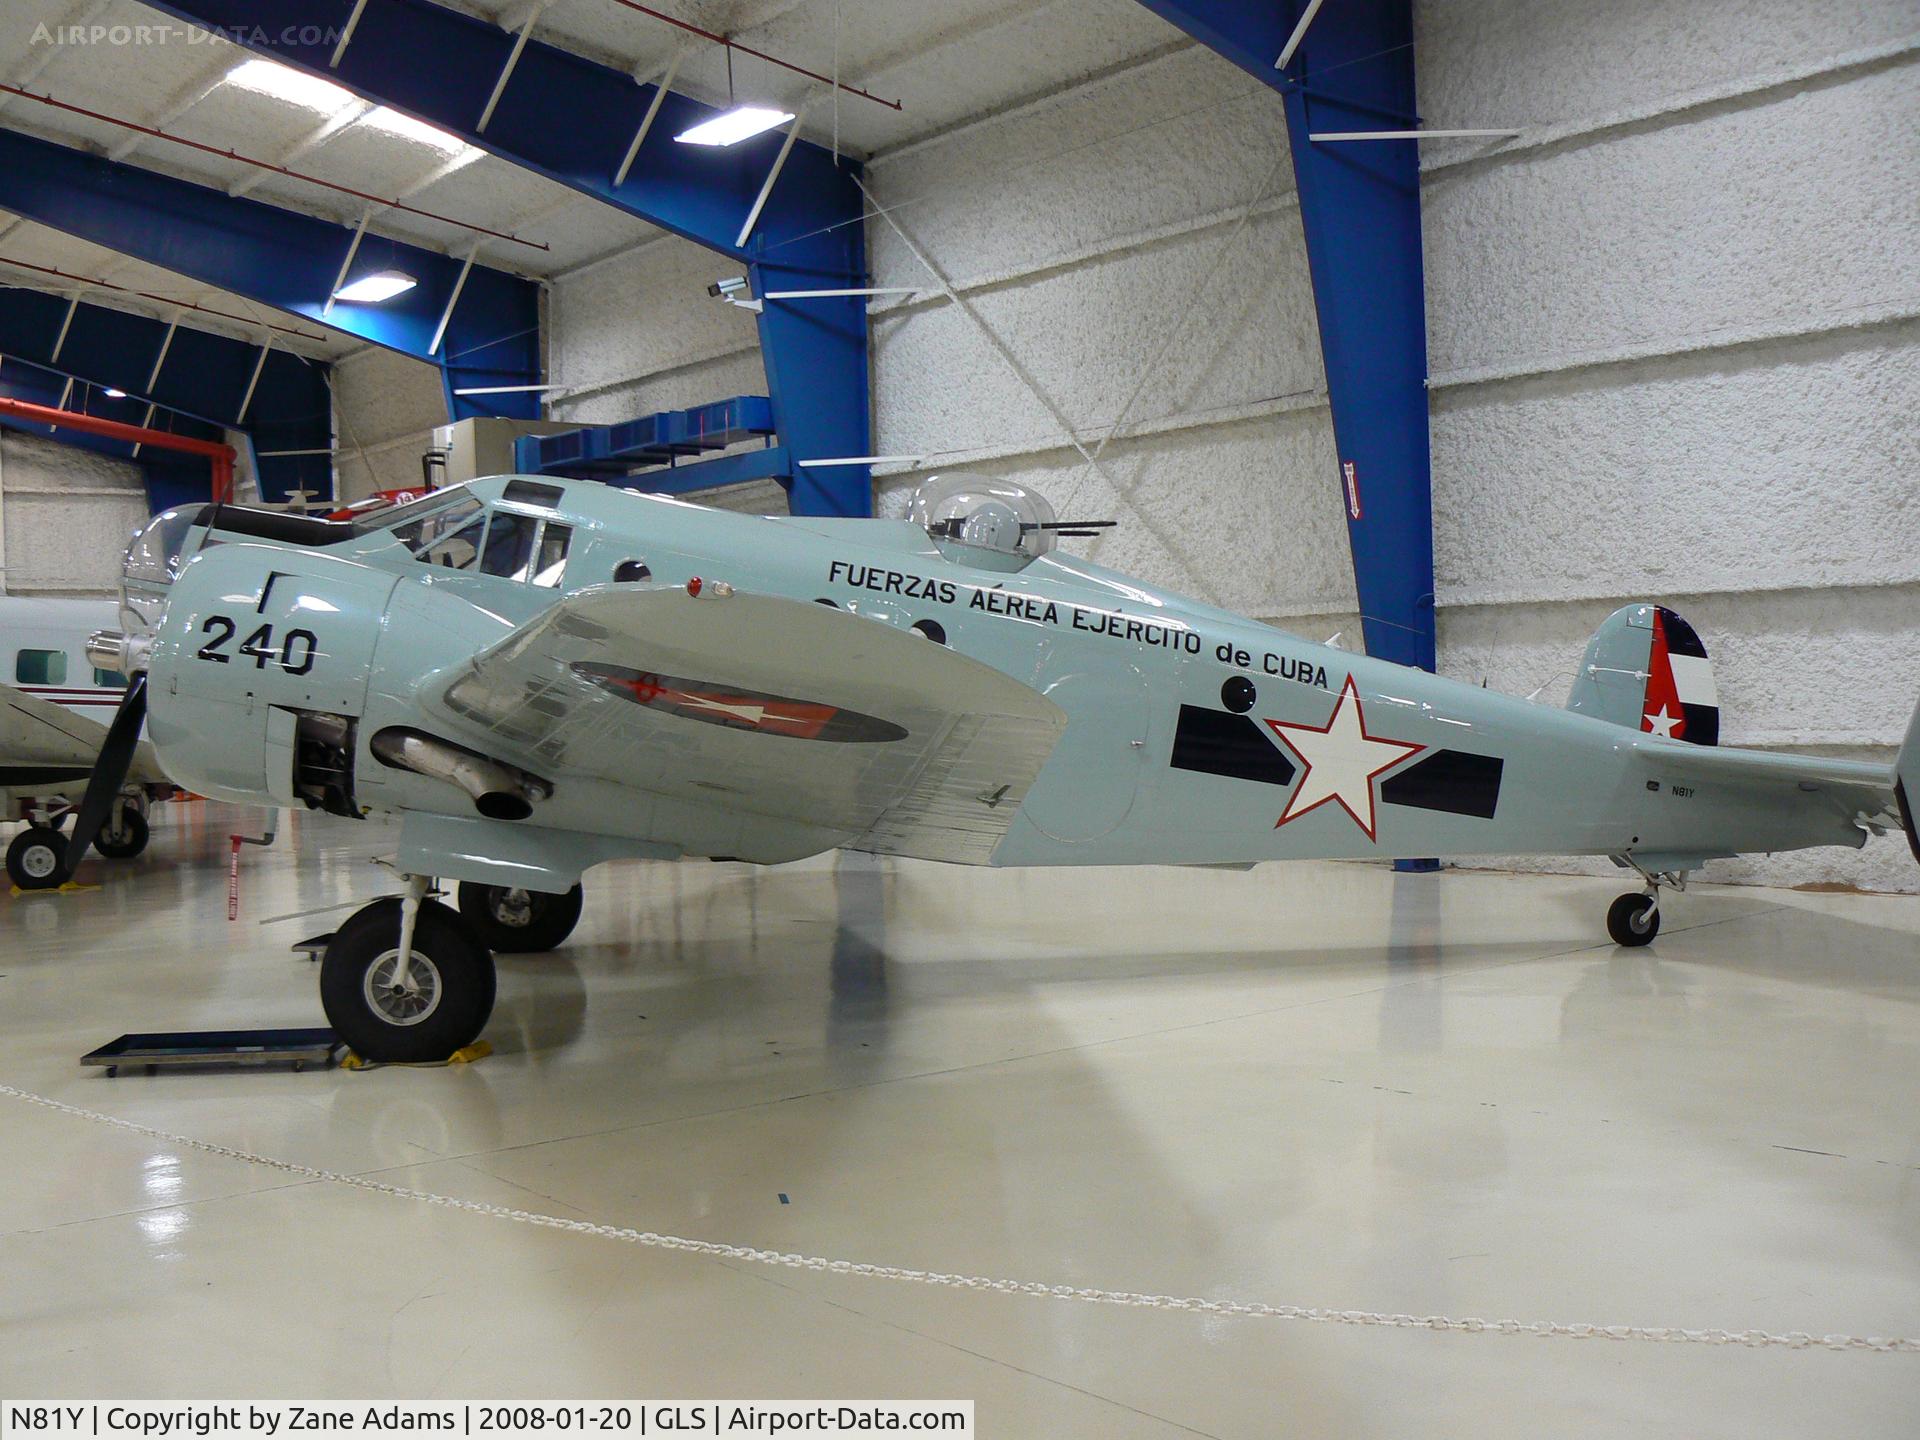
[1662,1334]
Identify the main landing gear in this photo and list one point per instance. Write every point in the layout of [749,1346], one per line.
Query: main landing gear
[519,921]
[407,980]
[125,834]
[37,857]
[1634,918]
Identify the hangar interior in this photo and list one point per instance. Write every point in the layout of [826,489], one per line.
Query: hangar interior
[1656,323]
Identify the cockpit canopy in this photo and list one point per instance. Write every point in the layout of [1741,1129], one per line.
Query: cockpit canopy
[985,513]
[152,563]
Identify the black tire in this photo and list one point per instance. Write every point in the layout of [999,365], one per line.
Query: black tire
[37,858]
[1633,920]
[457,966]
[519,922]
[132,835]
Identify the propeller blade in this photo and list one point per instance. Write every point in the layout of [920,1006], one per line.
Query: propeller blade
[109,772]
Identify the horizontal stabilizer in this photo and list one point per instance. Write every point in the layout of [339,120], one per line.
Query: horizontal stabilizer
[1854,796]
[1906,769]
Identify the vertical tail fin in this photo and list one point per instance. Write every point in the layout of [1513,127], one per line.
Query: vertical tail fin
[1645,668]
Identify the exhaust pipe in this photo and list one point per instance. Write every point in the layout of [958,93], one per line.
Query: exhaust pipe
[499,792]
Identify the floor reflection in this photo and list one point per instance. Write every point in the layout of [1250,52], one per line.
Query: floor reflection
[858,1006]
[1411,1017]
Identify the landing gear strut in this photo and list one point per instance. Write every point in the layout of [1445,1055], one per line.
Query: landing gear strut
[406,979]
[518,921]
[1634,918]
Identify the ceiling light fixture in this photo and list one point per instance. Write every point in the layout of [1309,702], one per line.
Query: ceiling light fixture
[374,288]
[113,394]
[393,122]
[296,87]
[730,127]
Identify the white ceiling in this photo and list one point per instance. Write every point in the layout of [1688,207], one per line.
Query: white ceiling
[946,61]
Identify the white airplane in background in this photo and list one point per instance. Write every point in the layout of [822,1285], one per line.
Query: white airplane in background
[54,711]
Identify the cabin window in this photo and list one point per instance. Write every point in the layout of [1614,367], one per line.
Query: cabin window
[629,572]
[108,679]
[554,540]
[40,667]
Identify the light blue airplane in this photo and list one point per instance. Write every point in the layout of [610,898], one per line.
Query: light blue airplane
[537,676]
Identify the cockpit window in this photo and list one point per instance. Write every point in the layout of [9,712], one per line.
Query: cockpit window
[509,552]
[401,518]
[504,543]
[430,536]
[453,541]
[554,540]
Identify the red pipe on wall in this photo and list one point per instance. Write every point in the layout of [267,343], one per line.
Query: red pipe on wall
[221,456]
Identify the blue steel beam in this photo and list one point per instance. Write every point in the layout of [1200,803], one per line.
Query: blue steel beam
[571,119]
[201,377]
[1360,208]
[815,353]
[288,260]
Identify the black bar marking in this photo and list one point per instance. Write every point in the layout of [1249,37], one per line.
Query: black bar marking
[1216,743]
[1454,781]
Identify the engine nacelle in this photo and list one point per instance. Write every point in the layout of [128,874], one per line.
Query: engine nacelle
[259,670]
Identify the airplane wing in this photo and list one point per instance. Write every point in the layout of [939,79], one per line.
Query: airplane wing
[45,744]
[766,706]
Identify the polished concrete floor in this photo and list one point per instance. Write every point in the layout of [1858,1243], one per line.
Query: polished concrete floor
[1322,1085]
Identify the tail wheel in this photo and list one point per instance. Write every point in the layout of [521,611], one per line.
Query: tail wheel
[514,921]
[1633,920]
[437,1004]
[37,858]
[125,837]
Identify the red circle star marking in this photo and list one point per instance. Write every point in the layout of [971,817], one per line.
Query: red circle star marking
[1341,761]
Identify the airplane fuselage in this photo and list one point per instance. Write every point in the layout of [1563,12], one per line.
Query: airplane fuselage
[1193,735]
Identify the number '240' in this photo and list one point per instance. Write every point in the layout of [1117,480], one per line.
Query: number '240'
[294,654]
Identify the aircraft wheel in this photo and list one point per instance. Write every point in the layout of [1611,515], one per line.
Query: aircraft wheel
[439,1006]
[37,857]
[1633,920]
[519,922]
[125,837]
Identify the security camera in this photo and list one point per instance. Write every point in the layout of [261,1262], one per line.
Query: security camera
[735,291]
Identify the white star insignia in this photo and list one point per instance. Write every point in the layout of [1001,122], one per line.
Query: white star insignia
[1662,724]
[1342,761]
[752,714]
